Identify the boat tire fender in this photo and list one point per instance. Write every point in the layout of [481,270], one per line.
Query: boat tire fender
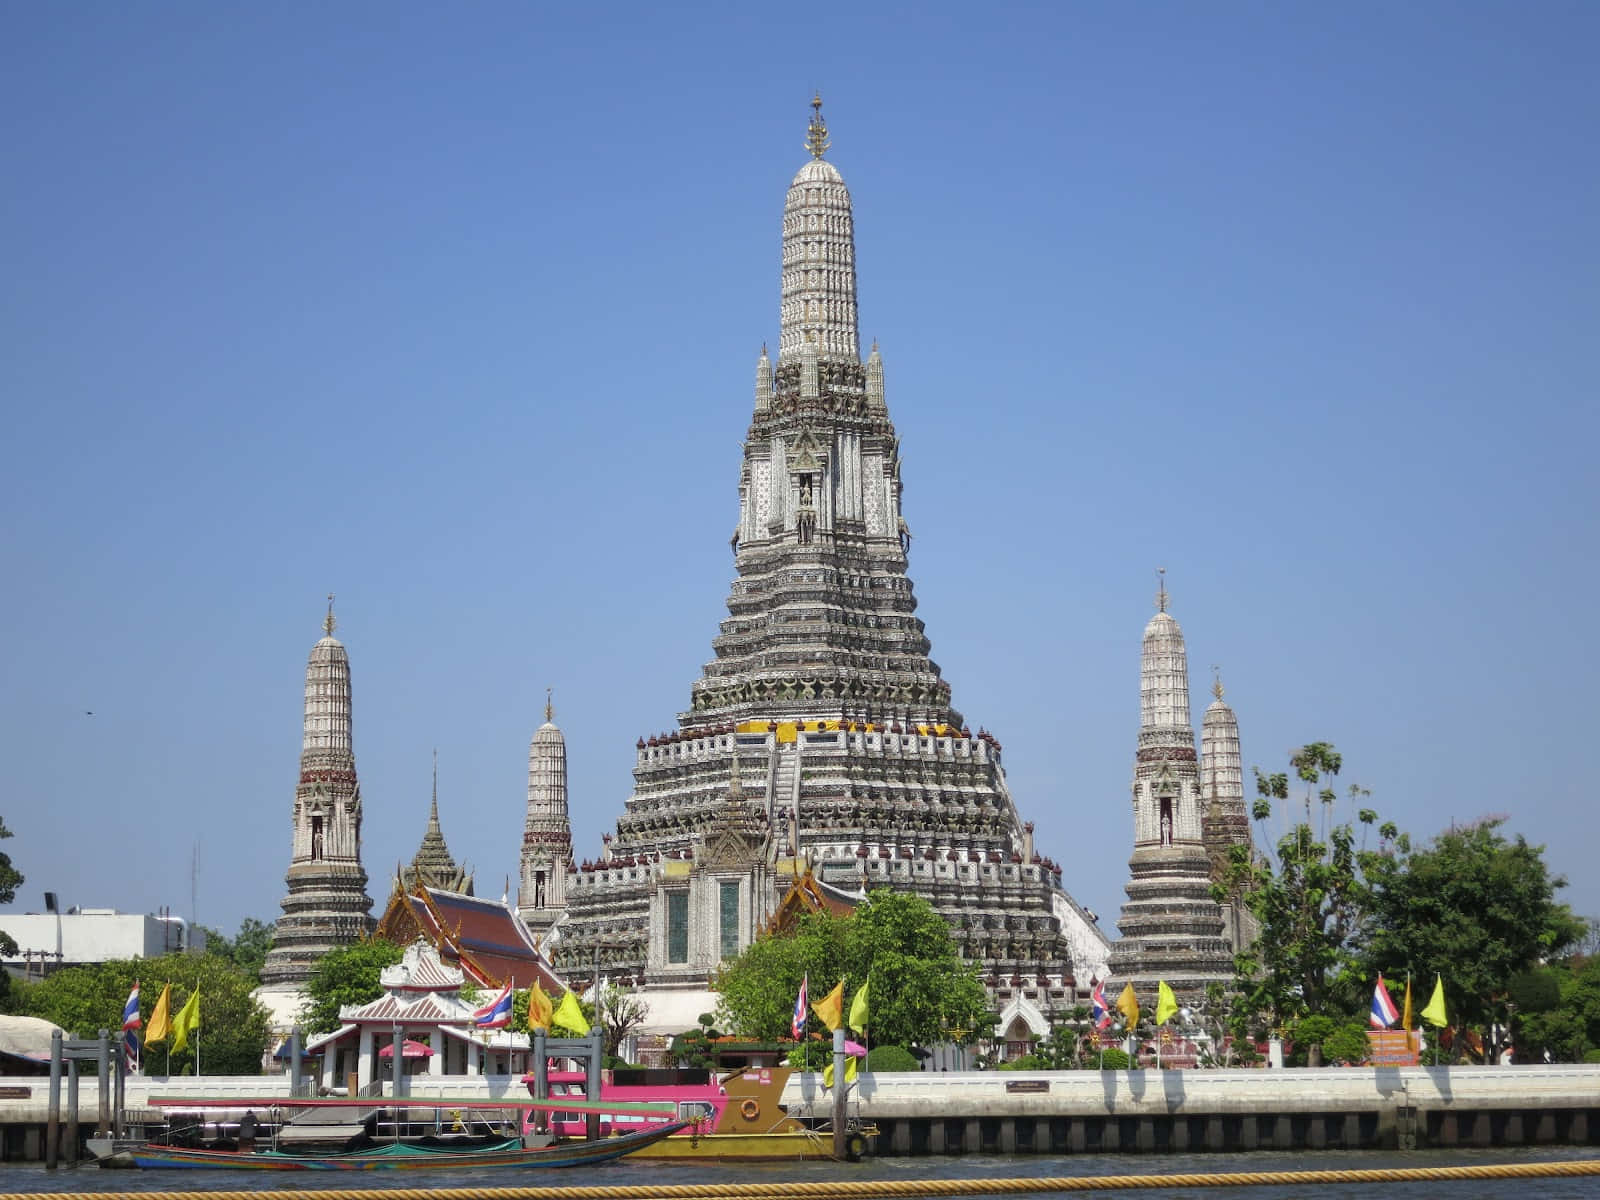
[855,1147]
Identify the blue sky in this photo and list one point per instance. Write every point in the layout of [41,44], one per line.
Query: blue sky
[453,311]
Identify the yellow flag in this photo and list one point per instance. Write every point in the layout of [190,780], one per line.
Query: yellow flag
[858,1010]
[827,1075]
[539,1009]
[1128,1006]
[1166,1003]
[187,1020]
[1434,1013]
[160,1025]
[831,1007]
[569,1015]
[852,1066]
[1405,1021]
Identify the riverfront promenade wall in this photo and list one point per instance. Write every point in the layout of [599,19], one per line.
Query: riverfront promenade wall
[1049,1112]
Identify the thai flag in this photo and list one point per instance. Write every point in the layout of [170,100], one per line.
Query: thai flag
[1384,1013]
[130,1010]
[1102,1010]
[798,1025]
[497,1013]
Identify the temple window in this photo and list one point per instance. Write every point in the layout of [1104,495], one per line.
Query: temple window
[678,926]
[728,894]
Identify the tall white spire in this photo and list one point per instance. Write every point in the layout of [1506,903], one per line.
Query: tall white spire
[327,905]
[547,829]
[1172,930]
[1164,677]
[1221,765]
[819,258]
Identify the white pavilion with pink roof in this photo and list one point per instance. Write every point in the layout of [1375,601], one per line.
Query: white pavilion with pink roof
[422,1012]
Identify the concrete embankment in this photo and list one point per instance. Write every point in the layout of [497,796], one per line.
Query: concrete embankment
[1059,1112]
[1063,1112]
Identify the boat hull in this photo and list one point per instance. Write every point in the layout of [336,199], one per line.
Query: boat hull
[403,1156]
[741,1147]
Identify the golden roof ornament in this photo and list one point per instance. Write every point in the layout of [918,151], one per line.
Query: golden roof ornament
[1161,595]
[1216,681]
[549,706]
[327,621]
[817,132]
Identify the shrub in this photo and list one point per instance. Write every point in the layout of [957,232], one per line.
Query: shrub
[1027,1062]
[1114,1060]
[1347,1044]
[892,1058]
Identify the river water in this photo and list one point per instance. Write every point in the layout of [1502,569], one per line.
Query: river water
[90,1179]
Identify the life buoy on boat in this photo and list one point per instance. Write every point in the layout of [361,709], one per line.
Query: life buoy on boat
[750,1110]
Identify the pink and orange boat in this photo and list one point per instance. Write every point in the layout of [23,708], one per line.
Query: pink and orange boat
[733,1116]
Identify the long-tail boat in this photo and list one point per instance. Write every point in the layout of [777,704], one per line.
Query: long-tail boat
[349,1134]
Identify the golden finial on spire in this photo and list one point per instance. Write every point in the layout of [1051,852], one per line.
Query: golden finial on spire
[1216,681]
[1161,595]
[327,621]
[817,132]
[549,705]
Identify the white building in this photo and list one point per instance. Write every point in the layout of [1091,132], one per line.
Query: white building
[49,940]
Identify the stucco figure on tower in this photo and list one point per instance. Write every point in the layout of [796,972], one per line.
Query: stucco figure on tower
[327,905]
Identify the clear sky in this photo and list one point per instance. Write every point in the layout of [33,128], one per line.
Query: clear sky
[453,311]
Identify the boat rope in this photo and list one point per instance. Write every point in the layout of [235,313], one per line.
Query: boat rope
[875,1189]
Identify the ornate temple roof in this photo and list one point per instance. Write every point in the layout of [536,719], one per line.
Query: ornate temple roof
[433,864]
[483,938]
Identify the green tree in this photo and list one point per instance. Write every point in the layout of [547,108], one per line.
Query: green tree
[247,950]
[233,1028]
[10,881]
[1569,1029]
[918,985]
[1347,1044]
[347,976]
[618,1014]
[696,1047]
[1309,894]
[1473,907]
